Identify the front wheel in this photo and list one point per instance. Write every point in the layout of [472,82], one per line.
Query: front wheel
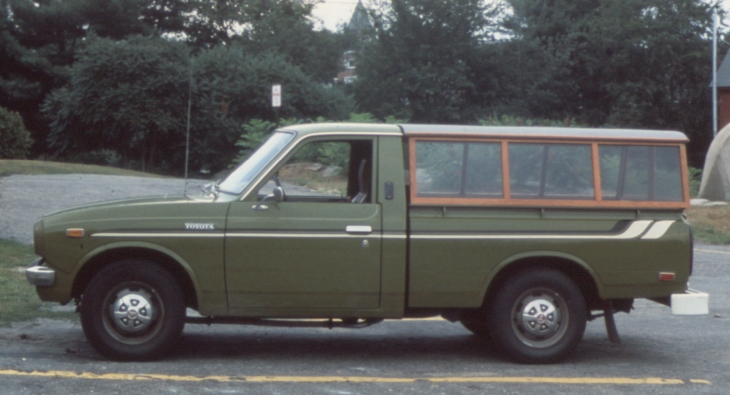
[538,316]
[133,310]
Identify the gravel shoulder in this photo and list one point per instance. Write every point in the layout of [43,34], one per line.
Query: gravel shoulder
[24,199]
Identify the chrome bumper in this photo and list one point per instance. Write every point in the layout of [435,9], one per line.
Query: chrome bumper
[39,275]
[690,302]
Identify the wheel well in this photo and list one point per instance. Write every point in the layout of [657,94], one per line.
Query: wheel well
[102,260]
[580,276]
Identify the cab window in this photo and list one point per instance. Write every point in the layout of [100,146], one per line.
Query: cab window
[325,171]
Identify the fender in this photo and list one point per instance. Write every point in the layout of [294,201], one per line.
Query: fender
[535,255]
[143,245]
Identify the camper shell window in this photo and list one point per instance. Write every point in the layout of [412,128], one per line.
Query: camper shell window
[510,170]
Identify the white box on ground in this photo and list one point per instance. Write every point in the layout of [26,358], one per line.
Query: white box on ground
[691,302]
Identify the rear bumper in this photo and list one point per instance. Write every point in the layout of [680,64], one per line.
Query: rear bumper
[39,275]
[690,302]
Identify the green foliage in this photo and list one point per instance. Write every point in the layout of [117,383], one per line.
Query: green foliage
[695,179]
[132,96]
[365,117]
[326,153]
[14,138]
[284,27]
[509,120]
[40,39]
[424,61]
[711,235]
[125,95]
[255,133]
[626,63]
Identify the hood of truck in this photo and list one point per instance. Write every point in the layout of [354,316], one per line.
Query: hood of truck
[65,236]
[125,202]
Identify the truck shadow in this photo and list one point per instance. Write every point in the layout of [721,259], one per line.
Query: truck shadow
[337,344]
[407,343]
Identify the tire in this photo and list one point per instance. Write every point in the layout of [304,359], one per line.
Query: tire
[133,310]
[538,316]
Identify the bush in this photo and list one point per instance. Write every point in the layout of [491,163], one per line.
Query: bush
[14,137]
[508,120]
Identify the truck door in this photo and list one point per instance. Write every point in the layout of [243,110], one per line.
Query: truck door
[317,248]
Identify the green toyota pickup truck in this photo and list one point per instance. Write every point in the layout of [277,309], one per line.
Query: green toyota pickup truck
[521,234]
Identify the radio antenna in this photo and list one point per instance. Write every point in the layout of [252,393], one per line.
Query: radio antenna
[187,134]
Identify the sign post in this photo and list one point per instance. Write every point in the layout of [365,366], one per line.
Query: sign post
[276,100]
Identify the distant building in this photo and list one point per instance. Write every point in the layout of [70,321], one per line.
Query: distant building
[347,75]
[360,19]
[359,24]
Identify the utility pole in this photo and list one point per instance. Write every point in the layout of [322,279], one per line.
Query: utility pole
[714,68]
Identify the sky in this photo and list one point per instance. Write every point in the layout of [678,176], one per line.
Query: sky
[334,13]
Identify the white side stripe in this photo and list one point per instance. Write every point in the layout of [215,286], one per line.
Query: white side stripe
[636,229]
[142,234]
[390,236]
[633,231]
[658,230]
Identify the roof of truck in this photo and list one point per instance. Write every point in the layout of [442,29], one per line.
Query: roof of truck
[543,132]
[513,132]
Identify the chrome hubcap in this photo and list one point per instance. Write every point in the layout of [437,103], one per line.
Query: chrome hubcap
[132,312]
[539,318]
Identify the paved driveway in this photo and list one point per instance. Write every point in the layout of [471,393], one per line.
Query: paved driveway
[24,199]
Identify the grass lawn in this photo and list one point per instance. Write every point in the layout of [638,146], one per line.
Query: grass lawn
[710,224]
[13,166]
[18,300]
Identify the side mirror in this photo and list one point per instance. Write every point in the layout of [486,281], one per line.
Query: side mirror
[279,194]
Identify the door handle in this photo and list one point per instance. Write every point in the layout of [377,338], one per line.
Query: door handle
[359,229]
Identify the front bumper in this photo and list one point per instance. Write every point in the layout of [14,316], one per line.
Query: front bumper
[39,275]
[690,302]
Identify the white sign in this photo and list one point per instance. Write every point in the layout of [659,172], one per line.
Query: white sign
[276,95]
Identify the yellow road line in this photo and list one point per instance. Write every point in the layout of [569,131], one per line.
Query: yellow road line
[351,379]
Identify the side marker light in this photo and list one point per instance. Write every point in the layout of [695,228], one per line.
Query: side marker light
[74,232]
[666,276]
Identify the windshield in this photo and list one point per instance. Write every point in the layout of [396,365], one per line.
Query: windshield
[242,176]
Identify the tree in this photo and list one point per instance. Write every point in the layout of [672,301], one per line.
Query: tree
[39,40]
[628,63]
[424,60]
[125,95]
[284,27]
[118,19]
[232,87]
[132,96]
[14,138]
[36,42]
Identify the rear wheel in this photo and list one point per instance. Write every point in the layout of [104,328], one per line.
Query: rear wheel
[538,316]
[133,310]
